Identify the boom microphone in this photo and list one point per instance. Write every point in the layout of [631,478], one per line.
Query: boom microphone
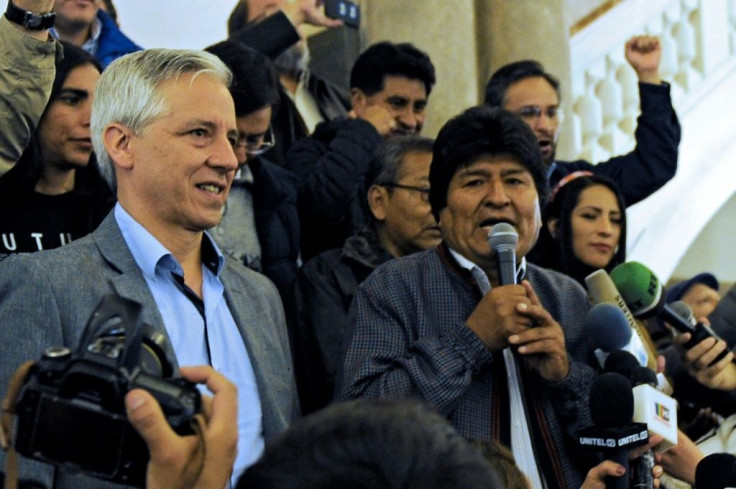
[503,239]
[645,296]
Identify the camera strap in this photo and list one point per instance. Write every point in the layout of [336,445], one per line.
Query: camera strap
[6,423]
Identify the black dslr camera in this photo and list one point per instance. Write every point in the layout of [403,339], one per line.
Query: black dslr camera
[71,410]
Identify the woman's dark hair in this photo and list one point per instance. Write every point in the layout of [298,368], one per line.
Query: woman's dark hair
[27,170]
[557,252]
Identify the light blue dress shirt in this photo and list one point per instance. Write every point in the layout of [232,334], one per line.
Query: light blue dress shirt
[211,338]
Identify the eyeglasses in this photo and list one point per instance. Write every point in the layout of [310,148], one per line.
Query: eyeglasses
[533,112]
[257,145]
[423,191]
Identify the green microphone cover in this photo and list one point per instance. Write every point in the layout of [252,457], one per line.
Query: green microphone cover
[639,287]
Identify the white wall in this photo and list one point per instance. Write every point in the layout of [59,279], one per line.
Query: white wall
[184,24]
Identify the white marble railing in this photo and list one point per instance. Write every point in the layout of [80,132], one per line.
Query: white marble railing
[698,40]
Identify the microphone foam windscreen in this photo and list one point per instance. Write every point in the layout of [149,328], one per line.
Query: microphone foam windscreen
[503,236]
[608,327]
[716,471]
[643,375]
[639,287]
[621,362]
[611,401]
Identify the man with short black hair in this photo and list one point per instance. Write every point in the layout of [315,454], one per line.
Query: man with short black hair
[525,88]
[505,362]
[389,87]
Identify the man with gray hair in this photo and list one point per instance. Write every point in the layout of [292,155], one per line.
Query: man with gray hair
[163,129]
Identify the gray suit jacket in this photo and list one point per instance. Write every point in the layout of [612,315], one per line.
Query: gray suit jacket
[46,299]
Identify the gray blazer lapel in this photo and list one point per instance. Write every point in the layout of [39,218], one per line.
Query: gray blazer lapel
[129,282]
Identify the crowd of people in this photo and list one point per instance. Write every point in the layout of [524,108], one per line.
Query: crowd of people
[321,269]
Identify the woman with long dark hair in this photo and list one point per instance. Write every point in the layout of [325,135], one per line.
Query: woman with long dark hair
[54,194]
[584,227]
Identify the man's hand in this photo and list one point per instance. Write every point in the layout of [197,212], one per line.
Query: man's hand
[644,54]
[378,116]
[496,317]
[697,360]
[309,12]
[181,462]
[681,460]
[543,346]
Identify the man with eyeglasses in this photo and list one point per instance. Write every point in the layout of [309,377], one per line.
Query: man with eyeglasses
[389,87]
[525,88]
[260,223]
[396,193]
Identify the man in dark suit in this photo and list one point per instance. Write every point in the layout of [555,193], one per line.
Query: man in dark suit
[163,125]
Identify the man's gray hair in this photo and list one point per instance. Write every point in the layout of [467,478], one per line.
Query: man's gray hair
[389,158]
[128,92]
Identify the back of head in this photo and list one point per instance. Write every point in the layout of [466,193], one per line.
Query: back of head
[255,83]
[129,92]
[511,73]
[482,131]
[370,444]
[387,59]
[503,462]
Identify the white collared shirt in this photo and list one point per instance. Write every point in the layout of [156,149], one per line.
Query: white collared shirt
[521,445]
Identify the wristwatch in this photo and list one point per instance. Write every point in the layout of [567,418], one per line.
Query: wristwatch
[34,21]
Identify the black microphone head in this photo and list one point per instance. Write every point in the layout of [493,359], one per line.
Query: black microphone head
[607,327]
[503,237]
[611,401]
[621,362]
[716,471]
[643,375]
[683,310]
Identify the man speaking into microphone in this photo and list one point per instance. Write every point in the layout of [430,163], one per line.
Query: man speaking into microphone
[501,360]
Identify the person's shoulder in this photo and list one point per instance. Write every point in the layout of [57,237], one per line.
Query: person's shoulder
[238,278]
[555,282]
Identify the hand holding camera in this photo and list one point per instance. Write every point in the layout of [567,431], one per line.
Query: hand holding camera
[71,409]
[189,462]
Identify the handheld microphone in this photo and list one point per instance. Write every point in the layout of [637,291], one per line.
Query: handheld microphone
[503,239]
[602,290]
[651,406]
[610,331]
[683,310]
[613,434]
[645,296]
[716,471]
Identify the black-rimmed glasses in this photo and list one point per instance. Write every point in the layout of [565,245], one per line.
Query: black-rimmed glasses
[257,145]
[424,191]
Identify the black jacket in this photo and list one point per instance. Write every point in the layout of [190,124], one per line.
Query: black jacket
[331,166]
[323,291]
[277,222]
[653,161]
